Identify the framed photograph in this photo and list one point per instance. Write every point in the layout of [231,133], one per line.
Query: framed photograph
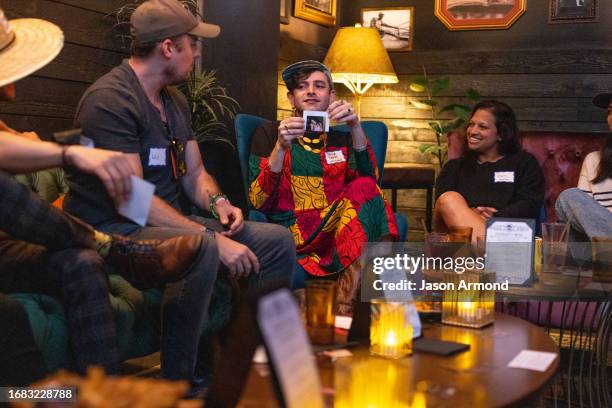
[394,24]
[479,14]
[573,11]
[317,11]
[285,11]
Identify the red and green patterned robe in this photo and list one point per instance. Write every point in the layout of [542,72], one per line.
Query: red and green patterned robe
[332,210]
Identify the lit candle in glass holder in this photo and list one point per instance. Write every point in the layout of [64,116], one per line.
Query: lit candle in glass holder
[372,383]
[391,329]
[469,307]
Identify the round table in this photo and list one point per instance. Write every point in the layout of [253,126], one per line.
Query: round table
[477,377]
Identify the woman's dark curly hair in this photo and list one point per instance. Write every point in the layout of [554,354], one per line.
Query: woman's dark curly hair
[505,122]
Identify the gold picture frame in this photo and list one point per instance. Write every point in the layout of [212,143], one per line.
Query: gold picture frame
[468,15]
[321,12]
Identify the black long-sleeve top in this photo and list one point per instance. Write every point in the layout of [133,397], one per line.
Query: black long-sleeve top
[514,184]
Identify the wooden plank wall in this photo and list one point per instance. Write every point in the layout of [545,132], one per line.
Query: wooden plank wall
[547,72]
[46,100]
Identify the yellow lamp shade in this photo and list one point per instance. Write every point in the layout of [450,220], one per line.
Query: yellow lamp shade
[357,55]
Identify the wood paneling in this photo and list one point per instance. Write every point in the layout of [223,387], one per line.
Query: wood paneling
[44,125]
[81,63]
[59,99]
[80,25]
[502,61]
[104,6]
[47,100]
[509,85]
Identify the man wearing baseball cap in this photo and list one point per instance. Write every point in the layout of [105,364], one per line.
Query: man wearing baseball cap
[43,250]
[135,109]
[588,208]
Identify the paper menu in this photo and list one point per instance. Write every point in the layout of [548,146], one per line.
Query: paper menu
[509,249]
[289,350]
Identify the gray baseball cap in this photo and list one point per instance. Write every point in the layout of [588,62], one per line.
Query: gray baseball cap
[156,20]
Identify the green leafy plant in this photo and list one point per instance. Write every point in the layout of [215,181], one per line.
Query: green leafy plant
[208,100]
[431,88]
[209,103]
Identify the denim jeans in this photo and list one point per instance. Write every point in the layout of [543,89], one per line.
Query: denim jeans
[186,302]
[586,216]
[587,219]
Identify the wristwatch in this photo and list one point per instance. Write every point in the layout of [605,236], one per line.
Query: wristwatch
[214,199]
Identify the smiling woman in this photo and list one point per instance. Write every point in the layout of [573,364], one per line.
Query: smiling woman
[495,178]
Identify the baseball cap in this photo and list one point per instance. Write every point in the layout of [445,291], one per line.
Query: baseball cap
[603,100]
[156,20]
[288,72]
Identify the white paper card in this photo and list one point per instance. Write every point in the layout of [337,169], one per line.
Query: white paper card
[157,156]
[289,350]
[533,360]
[335,156]
[343,322]
[504,177]
[137,206]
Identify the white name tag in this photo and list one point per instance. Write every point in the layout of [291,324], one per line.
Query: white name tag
[157,156]
[504,177]
[335,156]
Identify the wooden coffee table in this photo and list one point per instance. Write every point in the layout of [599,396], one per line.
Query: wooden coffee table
[480,375]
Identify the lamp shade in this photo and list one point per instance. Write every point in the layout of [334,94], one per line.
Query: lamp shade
[357,55]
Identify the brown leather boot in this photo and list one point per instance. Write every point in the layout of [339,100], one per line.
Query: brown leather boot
[152,263]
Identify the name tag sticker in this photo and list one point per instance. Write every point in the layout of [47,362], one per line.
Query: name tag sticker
[504,177]
[157,156]
[335,156]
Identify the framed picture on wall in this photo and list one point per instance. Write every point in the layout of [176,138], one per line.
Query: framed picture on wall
[479,14]
[317,11]
[285,10]
[573,11]
[394,24]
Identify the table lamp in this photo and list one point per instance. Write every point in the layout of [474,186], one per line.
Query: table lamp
[358,59]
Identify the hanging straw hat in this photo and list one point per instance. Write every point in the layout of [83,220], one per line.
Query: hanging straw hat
[26,45]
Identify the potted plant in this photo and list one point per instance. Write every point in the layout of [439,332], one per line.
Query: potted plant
[431,88]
